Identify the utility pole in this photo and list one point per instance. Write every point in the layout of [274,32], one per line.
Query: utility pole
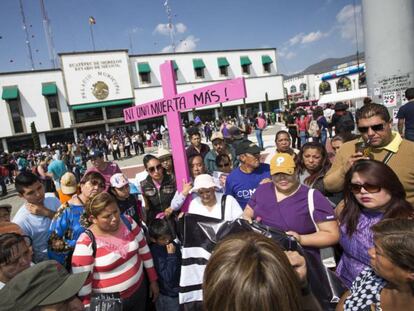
[29,48]
[49,37]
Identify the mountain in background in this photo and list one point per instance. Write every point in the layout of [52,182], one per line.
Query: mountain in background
[330,64]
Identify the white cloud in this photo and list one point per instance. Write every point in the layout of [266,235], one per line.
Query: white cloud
[180,27]
[346,22]
[296,39]
[302,38]
[312,37]
[164,29]
[136,29]
[284,53]
[187,45]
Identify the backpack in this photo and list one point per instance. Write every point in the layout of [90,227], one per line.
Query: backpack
[314,129]
[261,123]
[4,171]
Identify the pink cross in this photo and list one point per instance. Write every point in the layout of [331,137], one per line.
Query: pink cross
[172,104]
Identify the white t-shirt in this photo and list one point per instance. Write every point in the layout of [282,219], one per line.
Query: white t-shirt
[232,210]
[37,227]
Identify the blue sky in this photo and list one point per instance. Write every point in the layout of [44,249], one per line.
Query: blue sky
[303,31]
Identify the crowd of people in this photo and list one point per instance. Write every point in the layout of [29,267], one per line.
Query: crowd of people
[138,250]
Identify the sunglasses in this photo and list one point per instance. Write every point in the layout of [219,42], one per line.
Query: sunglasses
[224,164]
[97,183]
[202,192]
[375,128]
[356,188]
[152,169]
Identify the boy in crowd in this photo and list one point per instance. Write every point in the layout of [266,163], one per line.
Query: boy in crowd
[167,260]
[35,215]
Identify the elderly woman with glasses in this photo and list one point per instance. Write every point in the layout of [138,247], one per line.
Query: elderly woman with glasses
[66,226]
[158,188]
[208,200]
[372,192]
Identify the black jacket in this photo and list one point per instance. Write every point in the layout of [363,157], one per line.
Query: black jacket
[157,199]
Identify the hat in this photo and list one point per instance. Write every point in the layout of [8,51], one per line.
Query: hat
[216,135]
[235,132]
[96,153]
[203,181]
[45,283]
[340,106]
[247,146]
[282,163]
[68,183]
[119,180]
[163,153]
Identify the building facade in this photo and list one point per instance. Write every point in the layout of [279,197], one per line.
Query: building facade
[91,89]
[346,83]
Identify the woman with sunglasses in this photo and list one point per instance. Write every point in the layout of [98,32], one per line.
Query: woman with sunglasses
[66,226]
[389,283]
[158,188]
[115,253]
[372,192]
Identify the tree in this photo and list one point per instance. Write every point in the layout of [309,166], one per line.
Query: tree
[35,136]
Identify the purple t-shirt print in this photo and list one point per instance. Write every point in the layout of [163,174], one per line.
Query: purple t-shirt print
[291,213]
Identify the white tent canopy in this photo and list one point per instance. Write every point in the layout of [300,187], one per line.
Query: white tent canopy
[343,96]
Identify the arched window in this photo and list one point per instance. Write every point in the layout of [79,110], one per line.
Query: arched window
[344,84]
[292,89]
[302,87]
[324,88]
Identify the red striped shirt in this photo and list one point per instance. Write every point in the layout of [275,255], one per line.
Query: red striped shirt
[109,271]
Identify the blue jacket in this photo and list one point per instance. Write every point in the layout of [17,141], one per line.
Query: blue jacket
[168,267]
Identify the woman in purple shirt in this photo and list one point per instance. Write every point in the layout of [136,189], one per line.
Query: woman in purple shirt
[372,192]
[283,204]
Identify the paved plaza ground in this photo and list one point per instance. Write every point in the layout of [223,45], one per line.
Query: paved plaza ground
[133,165]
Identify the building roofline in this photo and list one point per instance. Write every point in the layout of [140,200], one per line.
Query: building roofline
[93,52]
[203,52]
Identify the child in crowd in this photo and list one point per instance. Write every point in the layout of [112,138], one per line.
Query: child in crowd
[167,260]
[127,202]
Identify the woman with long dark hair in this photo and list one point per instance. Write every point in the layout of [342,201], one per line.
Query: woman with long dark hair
[313,163]
[372,192]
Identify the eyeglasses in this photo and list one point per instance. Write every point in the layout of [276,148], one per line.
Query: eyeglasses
[123,187]
[152,169]
[224,164]
[356,188]
[97,183]
[205,191]
[375,128]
